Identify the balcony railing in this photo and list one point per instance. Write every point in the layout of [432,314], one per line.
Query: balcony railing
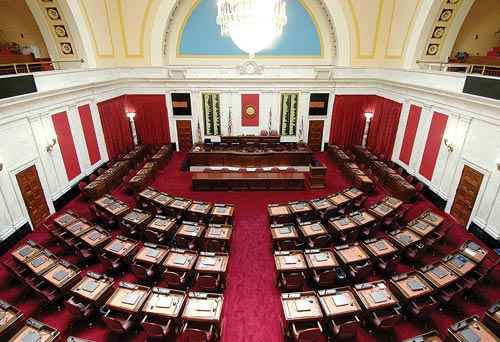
[481,69]
[22,68]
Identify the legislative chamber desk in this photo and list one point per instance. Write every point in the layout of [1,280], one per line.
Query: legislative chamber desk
[257,156]
[34,330]
[248,180]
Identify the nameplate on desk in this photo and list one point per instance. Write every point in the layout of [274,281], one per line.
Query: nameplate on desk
[340,300]
[90,286]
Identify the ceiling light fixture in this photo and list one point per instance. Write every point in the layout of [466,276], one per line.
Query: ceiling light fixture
[253,25]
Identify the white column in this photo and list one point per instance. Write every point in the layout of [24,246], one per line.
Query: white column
[131,117]
[368,119]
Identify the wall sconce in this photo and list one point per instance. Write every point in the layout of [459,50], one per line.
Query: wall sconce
[131,116]
[368,116]
[51,145]
[449,145]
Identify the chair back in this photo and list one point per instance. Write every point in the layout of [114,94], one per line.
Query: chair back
[207,282]
[215,246]
[116,325]
[311,334]
[182,242]
[76,309]
[327,278]
[345,329]
[321,241]
[173,279]
[155,330]
[287,245]
[294,281]
[153,236]
[92,177]
[389,322]
[81,185]
[140,271]
[196,332]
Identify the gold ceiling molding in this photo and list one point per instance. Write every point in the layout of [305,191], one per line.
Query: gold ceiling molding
[143,25]
[408,28]
[93,33]
[356,31]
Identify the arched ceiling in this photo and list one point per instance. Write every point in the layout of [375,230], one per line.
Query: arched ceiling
[393,33]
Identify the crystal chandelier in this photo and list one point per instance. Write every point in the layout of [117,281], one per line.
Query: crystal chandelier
[253,25]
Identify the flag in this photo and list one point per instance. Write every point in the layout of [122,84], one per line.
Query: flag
[230,123]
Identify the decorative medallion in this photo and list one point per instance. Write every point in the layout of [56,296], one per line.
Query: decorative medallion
[446,14]
[53,13]
[432,49]
[60,31]
[438,32]
[250,112]
[66,48]
[250,67]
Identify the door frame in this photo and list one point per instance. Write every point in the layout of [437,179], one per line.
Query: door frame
[19,196]
[193,138]
[486,179]
[322,133]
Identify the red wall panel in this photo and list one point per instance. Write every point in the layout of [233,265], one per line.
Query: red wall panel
[66,144]
[151,119]
[433,144]
[410,134]
[89,133]
[250,116]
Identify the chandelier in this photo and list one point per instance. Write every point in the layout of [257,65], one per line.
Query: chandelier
[253,25]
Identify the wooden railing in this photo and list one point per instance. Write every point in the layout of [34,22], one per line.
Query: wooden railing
[22,68]
[482,69]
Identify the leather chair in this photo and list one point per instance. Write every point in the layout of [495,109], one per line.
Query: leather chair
[385,319]
[92,177]
[450,292]
[350,236]
[215,246]
[100,171]
[174,280]
[154,236]
[358,204]
[476,276]
[387,264]
[325,279]
[208,282]
[307,332]
[286,245]
[198,332]
[110,263]
[437,236]
[117,322]
[360,271]
[422,307]
[184,243]
[320,241]
[142,272]
[81,186]
[292,281]
[156,328]
[344,327]
[418,189]
[79,309]
[128,229]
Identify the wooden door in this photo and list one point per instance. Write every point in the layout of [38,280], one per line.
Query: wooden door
[315,134]
[33,195]
[184,135]
[466,194]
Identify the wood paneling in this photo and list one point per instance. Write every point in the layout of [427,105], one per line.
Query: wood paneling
[466,194]
[33,195]
[315,134]
[184,135]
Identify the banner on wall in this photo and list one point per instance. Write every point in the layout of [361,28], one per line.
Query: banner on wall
[250,110]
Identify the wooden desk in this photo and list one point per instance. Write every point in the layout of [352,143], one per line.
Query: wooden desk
[320,259]
[63,275]
[256,180]
[200,208]
[353,193]
[203,307]
[492,318]
[190,230]
[36,329]
[431,336]
[431,218]
[392,202]
[301,306]
[96,237]
[284,232]
[218,232]
[381,210]
[321,204]
[473,251]
[9,317]
[79,227]
[339,199]
[162,200]
[299,208]
[362,218]
[342,225]
[151,254]
[407,285]
[111,178]
[112,206]
[312,229]
[471,326]
[351,254]
[420,227]
[368,294]
[459,263]
[379,247]
[278,211]
[179,259]
[212,263]
[65,219]
[128,298]
[405,237]
[27,251]
[93,287]
[165,302]
[339,302]
[121,247]
[290,261]
[222,213]
[179,204]
[162,224]
[438,275]
[137,217]
[42,262]
[148,194]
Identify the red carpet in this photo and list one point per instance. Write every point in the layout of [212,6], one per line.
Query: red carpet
[252,308]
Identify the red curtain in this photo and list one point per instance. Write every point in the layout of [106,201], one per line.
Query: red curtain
[151,119]
[384,126]
[66,144]
[348,120]
[115,126]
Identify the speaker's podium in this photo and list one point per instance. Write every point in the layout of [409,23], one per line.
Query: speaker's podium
[317,176]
